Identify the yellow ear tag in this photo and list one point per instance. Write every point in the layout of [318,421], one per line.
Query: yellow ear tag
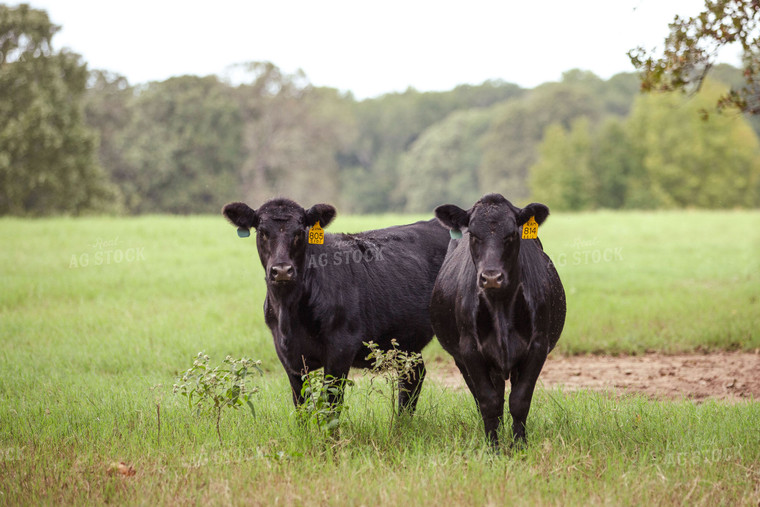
[530,229]
[316,235]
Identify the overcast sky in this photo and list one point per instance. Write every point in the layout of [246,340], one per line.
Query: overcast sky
[366,47]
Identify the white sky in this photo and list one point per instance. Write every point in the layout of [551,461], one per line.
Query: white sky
[366,47]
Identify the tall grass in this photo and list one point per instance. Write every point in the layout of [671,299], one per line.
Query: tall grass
[582,447]
[89,355]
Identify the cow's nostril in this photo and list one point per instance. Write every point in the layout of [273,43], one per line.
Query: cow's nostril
[281,272]
[491,280]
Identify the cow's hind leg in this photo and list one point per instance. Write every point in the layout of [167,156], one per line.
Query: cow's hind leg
[409,388]
[336,374]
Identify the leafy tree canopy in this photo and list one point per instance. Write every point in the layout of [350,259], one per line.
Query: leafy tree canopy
[442,165]
[661,156]
[692,45]
[47,154]
[510,144]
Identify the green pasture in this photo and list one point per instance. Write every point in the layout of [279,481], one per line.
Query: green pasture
[98,315]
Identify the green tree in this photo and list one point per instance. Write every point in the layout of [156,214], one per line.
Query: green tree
[662,156]
[182,147]
[109,111]
[510,146]
[562,178]
[47,154]
[692,44]
[611,160]
[441,166]
[293,136]
[389,125]
[684,161]
[618,92]
[733,78]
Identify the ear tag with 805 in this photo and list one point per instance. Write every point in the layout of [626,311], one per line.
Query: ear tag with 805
[316,235]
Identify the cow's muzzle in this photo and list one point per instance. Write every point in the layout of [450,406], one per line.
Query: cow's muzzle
[281,273]
[491,279]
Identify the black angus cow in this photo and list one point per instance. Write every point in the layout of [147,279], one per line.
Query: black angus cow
[498,306]
[324,300]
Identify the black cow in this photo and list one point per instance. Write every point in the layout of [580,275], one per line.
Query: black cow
[498,306]
[324,300]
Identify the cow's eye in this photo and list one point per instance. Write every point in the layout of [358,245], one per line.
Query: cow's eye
[296,239]
[263,235]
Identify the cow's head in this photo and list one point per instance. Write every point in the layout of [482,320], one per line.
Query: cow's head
[281,231]
[494,226]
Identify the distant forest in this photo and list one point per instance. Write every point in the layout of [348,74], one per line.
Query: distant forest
[74,140]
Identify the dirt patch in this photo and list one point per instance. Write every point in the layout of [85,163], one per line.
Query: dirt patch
[722,375]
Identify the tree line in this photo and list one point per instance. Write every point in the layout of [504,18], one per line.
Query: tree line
[75,141]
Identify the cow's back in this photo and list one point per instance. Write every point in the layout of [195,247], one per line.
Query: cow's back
[381,280]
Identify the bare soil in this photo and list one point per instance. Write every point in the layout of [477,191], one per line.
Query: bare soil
[720,375]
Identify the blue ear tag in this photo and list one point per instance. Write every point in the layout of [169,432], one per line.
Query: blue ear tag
[243,233]
[455,234]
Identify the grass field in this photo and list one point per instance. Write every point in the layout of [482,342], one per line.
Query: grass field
[95,313]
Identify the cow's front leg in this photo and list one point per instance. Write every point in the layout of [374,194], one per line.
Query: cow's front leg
[296,386]
[336,373]
[491,403]
[488,391]
[523,379]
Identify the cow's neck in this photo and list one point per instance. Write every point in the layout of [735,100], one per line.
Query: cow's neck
[511,344]
[283,297]
[285,302]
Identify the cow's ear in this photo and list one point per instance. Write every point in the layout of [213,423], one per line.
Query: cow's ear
[536,209]
[322,213]
[452,217]
[241,215]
